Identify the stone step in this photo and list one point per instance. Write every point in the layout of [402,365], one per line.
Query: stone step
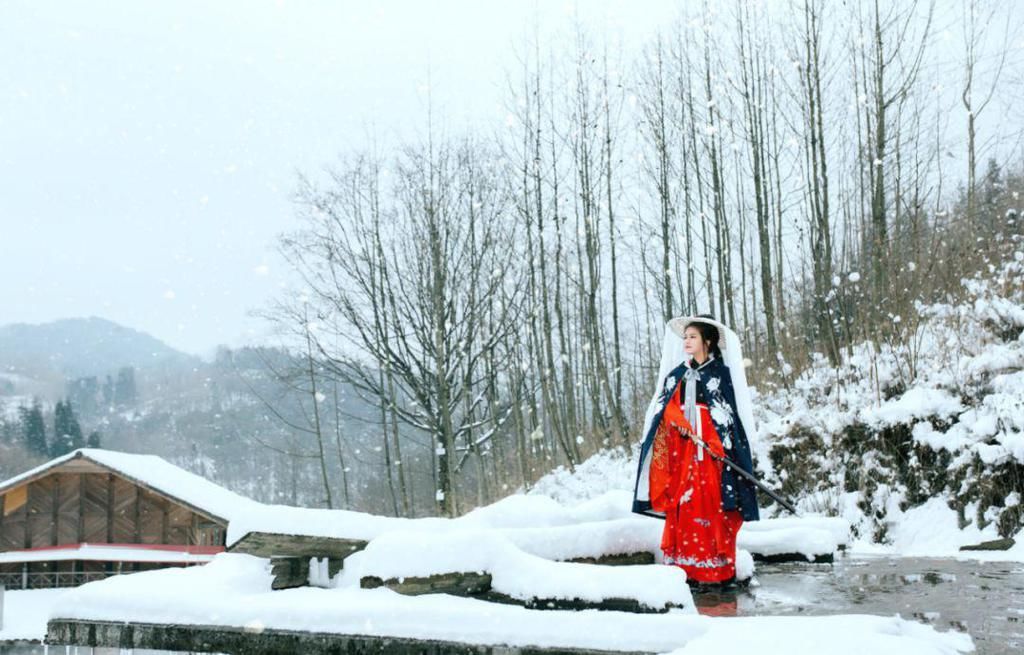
[290,554]
[268,641]
[478,585]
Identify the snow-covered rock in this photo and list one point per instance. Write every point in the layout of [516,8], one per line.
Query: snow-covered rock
[515,573]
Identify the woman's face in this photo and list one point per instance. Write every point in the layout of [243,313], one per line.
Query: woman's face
[693,344]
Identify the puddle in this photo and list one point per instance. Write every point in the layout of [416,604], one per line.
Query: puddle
[985,599]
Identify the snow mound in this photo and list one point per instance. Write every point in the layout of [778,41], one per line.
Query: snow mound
[809,542]
[514,572]
[606,470]
[592,539]
[25,614]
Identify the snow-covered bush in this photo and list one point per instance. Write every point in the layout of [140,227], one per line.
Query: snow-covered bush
[937,413]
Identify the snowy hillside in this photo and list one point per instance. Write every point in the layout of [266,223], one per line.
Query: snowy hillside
[939,414]
[918,443]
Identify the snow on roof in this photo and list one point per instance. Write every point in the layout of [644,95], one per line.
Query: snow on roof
[155,473]
[112,553]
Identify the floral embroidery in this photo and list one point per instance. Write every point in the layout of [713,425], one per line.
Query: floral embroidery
[670,384]
[659,455]
[711,563]
[721,413]
[713,384]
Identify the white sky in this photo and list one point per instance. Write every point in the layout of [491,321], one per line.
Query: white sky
[148,150]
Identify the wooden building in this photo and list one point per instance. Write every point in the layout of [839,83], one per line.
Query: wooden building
[94,513]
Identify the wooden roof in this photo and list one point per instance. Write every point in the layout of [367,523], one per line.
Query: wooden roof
[148,472]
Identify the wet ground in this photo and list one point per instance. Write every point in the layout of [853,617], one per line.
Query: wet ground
[82,650]
[984,599]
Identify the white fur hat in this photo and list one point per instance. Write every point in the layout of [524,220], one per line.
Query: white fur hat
[679,323]
[732,356]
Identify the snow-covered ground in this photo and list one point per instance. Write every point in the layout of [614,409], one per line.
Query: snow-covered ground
[234,590]
[26,612]
[517,541]
[930,530]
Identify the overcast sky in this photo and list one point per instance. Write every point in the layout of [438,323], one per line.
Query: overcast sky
[148,150]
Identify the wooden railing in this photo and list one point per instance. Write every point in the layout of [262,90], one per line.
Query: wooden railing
[49,580]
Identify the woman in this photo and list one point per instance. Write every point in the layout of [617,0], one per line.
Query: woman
[693,415]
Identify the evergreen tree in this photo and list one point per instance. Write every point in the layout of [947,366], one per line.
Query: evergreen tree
[67,433]
[33,428]
[94,440]
[59,446]
[74,429]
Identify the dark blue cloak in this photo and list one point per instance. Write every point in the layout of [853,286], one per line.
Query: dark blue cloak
[715,384]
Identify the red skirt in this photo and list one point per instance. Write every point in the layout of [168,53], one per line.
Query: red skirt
[699,536]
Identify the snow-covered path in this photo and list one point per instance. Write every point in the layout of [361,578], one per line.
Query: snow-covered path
[26,613]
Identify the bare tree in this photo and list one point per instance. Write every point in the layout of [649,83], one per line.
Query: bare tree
[431,268]
[977,21]
[891,65]
[816,167]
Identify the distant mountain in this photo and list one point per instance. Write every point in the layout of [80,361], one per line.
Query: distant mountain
[77,347]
